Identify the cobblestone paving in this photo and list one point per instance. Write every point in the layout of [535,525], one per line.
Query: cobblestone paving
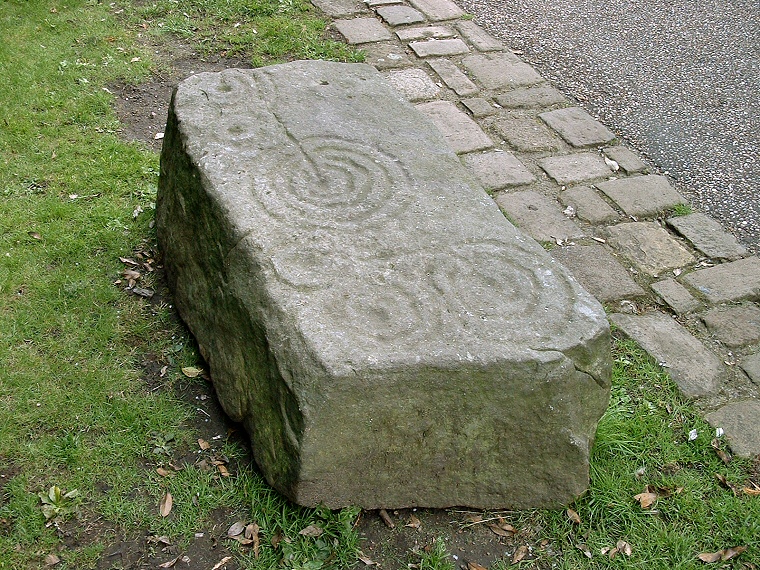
[680,286]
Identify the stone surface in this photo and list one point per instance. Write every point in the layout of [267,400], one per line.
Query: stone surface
[424,32]
[479,107]
[501,71]
[478,37]
[438,10]
[362,30]
[453,77]
[496,170]
[462,134]
[598,272]
[751,365]
[741,424]
[385,56]
[577,127]
[414,84]
[649,246]
[708,236]
[387,338]
[538,216]
[642,196]
[628,161]
[676,296]
[438,48]
[526,134]
[530,97]
[588,205]
[400,15]
[338,8]
[376,3]
[695,369]
[734,326]
[735,281]
[574,168]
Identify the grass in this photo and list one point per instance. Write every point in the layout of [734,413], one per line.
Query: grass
[75,409]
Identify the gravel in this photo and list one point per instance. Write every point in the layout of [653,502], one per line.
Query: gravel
[679,81]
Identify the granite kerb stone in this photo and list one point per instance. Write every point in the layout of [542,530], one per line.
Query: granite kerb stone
[362,303]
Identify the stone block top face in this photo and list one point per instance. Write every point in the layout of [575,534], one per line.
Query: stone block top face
[574,168]
[751,365]
[438,10]
[414,84]
[588,205]
[498,170]
[424,32]
[676,296]
[530,97]
[363,223]
[538,216]
[400,15]
[649,246]
[708,236]
[627,160]
[438,48]
[577,127]
[735,281]
[338,8]
[362,30]
[462,134]
[741,423]
[478,37]
[501,71]
[734,326]
[642,196]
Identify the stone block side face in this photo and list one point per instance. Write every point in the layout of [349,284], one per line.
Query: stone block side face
[708,236]
[342,340]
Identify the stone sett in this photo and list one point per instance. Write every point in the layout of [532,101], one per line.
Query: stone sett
[526,134]
[501,71]
[734,326]
[649,246]
[376,3]
[538,216]
[708,236]
[400,15]
[339,8]
[498,169]
[478,37]
[695,369]
[531,97]
[386,55]
[424,32]
[461,133]
[751,365]
[414,84]
[362,30]
[453,77]
[599,272]
[574,168]
[479,107]
[741,424]
[439,48]
[727,282]
[676,296]
[577,127]
[588,205]
[642,196]
[628,161]
[438,10]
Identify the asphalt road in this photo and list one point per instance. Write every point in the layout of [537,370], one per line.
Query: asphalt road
[678,80]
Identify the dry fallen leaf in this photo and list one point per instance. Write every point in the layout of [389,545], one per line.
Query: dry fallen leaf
[252,533]
[624,547]
[192,371]
[475,566]
[311,530]
[276,539]
[520,553]
[203,444]
[165,507]
[363,557]
[584,548]
[726,483]
[710,557]
[163,472]
[170,563]
[414,522]
[222,562]
[51,560]
[236,529]
[573,516]
[646,500]
[223,470]
[502,529]
[754,491]
[35,235]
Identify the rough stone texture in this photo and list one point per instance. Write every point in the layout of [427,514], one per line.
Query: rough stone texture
[751,365]
[424,32]
[577,127]
[708,236]
[478,37]
[734,326]
[501,71]
[538,216]
[438,10]
[574,168]
[526,134]
[649,246]
[496,170]
[479,107]
[386,336]
[414,84]
[598,272]
[362,30]
[695,369]
[741,424]
[461,133]
[438,48]
[676,296]
[453,77]
[588,205]
[642,196]
[530,97]
[628,161]
[376,3]
[735,281]
[338,8]
[400,15]
[386,55]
